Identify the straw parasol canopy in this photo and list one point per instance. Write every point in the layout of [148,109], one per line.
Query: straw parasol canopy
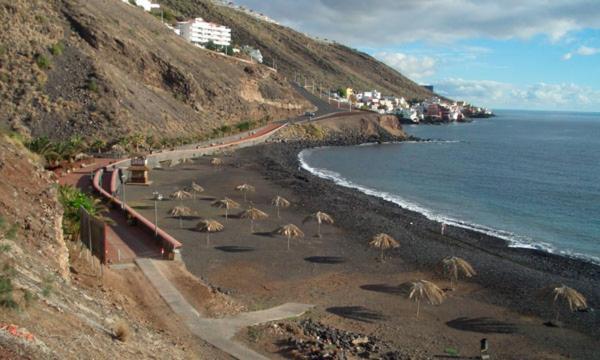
[383,242]
[216,161]
[185,161]
[194,189]
[226,204]
[424,290]
[245,188]
[455,266]
[254,214]
[209,226]
[180,195]
[280,202]
[573,298]
[289,231]
[321,218]
[180,211]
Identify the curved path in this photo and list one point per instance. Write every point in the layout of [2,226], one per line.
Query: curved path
[218,332]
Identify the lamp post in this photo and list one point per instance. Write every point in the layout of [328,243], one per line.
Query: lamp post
[156,196]
[123,178]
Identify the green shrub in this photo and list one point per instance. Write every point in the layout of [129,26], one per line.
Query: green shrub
[92,85]
[132,2]
[47,286]
[6,292]
[43,62]
[2,50]
[57,49]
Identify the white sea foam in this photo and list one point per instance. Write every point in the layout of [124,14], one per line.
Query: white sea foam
[513,240]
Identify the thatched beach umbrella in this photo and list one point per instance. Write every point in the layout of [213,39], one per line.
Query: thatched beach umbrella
[425,290]
[245,189]
[226,204]
[194,189]
[290,231]
[455,266]
[180,195]
[573,298]
[383,242]
[185,161]
[321,218]
[280,202]
[254,214]
[180,211]
[216,162]
[209,226]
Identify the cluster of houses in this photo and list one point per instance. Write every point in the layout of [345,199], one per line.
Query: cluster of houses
[202,33]
[432,110]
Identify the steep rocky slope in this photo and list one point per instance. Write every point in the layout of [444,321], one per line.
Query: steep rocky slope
[295,53]
[103,68]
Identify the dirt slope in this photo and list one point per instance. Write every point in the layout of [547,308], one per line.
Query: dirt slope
[103,68]
[294,52]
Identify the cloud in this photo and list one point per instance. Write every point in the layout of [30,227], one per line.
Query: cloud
[497,94]
[390,22]
[587,51]
[582,51]
[414,67]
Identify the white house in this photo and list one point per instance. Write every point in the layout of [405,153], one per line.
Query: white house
[145,4]
[200,32]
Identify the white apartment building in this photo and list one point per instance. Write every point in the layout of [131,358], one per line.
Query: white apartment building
[147,5]
[198,31]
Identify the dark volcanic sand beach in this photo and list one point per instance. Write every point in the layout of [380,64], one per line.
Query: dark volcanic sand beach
[342,276]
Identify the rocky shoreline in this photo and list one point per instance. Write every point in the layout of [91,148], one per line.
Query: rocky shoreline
[511,277]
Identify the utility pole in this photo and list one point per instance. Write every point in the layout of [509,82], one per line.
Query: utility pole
[155,219]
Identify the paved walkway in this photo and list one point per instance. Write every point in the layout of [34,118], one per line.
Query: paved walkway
[218,332]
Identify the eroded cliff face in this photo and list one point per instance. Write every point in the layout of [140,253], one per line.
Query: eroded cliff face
[28,204]
[346,129]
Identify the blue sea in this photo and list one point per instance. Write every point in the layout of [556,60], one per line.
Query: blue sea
[530,177]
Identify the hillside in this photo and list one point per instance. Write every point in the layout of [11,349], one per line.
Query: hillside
[105,69]
[333,64]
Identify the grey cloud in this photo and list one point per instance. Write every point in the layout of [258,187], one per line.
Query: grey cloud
[367,23]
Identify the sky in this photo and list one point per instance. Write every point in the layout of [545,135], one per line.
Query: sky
[504,54]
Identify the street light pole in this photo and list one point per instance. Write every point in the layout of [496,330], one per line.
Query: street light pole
[155,219]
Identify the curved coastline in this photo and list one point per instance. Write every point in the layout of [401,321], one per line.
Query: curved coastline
[510,273]
[512,240]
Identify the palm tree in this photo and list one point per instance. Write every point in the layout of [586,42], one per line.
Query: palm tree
[226,204]
[320,217]
[98,145]
[195,189]
[254,214]
[425,290]
[245,188]
[383,242]
[180,211]
[568,295]
[209,226]
[280,202]
[455,266]
[290,231]
[180,195]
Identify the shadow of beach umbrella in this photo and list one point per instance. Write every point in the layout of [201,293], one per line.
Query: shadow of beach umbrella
[209,226]
[245,189]
[424,290]
[383,242]
[321,218]
[180,211]
[289,231]
[194,189]
[180,195]
[568,296]
[226,204]
[216,162]
[454,267]
[280,202]
[253,214]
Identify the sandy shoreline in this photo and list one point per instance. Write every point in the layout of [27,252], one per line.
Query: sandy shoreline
[341,276]
[513,273]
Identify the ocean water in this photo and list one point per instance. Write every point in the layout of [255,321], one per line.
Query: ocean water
[532,178]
